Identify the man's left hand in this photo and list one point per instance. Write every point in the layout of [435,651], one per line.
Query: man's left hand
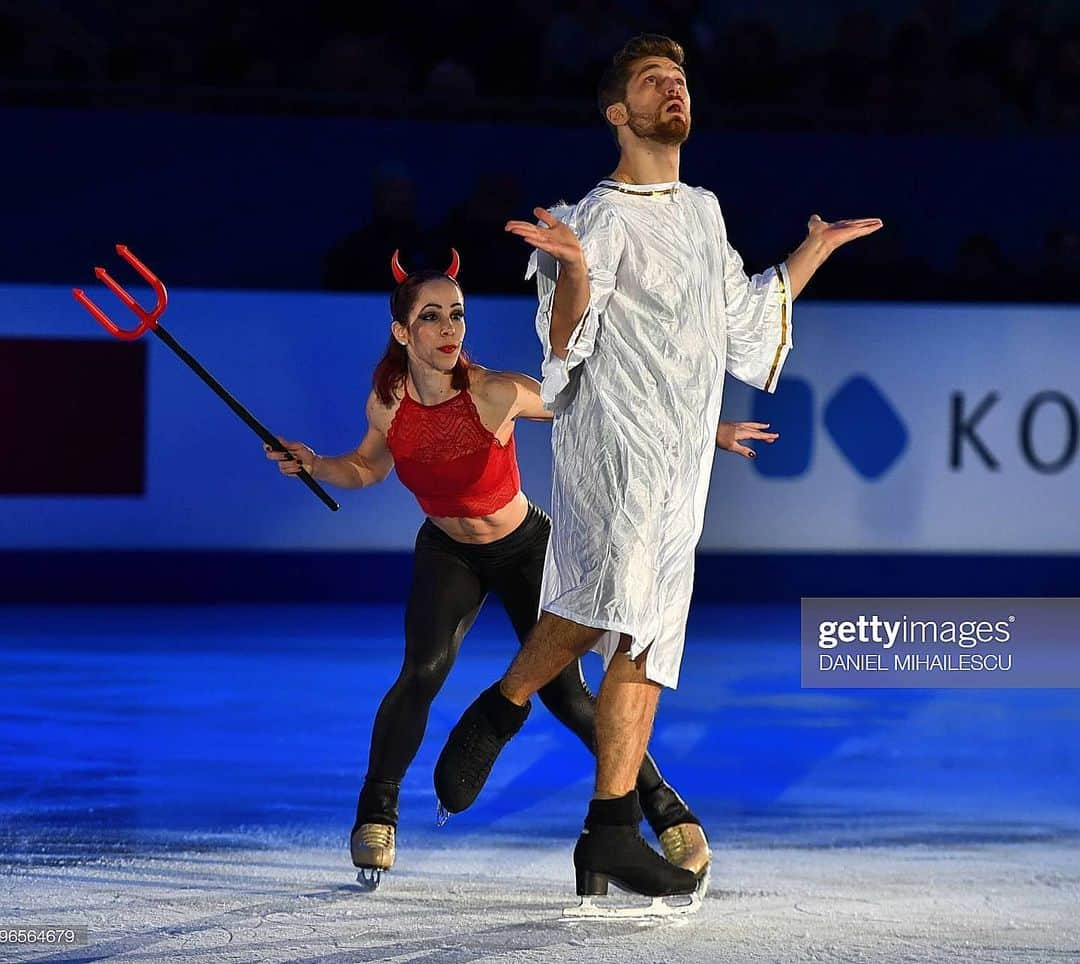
[832,234]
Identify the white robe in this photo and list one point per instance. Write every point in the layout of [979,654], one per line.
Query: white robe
[637,403]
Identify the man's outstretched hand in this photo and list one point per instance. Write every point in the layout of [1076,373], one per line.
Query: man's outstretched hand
[555,237]
[822,239]
[835,233]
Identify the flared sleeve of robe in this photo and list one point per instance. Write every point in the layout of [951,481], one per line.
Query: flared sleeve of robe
[758,320]
[600,231]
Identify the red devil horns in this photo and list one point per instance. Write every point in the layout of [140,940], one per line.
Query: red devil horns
[455,264]
[400,274]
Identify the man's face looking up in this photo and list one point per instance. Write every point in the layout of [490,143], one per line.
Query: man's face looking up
[658,101]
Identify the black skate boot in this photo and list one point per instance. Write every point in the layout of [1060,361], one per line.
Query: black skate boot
[680,832]
[612,850]
[472,747]
[372,843]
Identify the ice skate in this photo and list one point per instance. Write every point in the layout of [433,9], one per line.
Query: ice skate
[611,850]
[373,848]
[373,841]
[619,855]
[472,748]
[685,845]
[679,832]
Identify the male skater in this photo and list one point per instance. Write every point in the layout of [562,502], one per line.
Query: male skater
[650,307]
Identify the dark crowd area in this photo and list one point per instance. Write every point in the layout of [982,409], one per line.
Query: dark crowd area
[903,66]
[890,265]
[996,71]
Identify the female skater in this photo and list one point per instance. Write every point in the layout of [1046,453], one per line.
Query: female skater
[448,427]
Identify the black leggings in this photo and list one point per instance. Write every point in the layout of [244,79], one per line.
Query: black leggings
[450,581]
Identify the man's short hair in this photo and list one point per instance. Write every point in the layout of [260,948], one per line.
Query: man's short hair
[616,77]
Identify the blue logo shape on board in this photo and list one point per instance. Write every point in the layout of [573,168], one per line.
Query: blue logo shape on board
[865,427]
[791,413]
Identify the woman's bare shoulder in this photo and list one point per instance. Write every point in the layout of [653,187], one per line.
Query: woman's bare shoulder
[380,415]
[498,386]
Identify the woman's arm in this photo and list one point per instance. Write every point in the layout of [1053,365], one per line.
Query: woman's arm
[527,401]
[368,463]
[509,395]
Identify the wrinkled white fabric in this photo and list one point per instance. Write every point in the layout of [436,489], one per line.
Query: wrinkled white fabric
[637,402]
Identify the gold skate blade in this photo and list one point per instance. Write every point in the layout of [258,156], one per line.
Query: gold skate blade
[678,905]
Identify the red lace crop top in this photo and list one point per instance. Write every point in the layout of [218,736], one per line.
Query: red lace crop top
[446,457]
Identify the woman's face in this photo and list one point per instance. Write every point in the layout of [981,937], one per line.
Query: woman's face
[435,328]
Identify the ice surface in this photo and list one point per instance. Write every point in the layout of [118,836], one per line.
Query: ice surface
[182,782]
[251,897]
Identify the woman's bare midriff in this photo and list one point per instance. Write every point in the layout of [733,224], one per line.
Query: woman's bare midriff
[486,528]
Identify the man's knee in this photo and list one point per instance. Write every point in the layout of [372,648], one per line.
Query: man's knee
[621,668]
[553,630]
[552,646]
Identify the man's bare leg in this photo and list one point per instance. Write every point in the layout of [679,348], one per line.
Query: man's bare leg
[499,712]
[611,846]
[625,709]
[553,644]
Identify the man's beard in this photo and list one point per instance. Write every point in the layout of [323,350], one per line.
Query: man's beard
[671,131]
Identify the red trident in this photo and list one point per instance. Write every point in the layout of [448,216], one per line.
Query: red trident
[148,321]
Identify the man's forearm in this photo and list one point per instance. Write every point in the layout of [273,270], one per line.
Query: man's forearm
[568,305]
[341,470]
[803,262]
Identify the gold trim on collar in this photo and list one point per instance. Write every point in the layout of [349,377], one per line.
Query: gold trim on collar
[618,186]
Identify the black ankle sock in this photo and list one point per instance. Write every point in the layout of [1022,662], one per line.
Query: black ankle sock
[505,715]
[622,811]
[378,802]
